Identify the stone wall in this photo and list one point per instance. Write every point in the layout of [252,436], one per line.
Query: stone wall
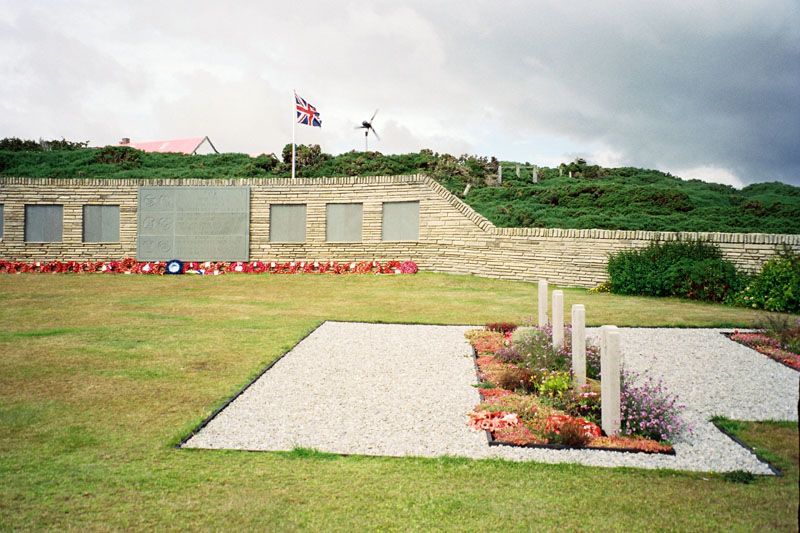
[452,237]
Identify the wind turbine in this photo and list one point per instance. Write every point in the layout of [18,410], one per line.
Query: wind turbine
[367,126]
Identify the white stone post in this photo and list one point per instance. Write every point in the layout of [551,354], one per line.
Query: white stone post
[610,381]
[603,331]
[558,319]
[535,173]
[500,174]
[579,345]
[542,303]
[517,170]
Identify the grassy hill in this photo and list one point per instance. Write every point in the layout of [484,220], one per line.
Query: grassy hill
[595,197]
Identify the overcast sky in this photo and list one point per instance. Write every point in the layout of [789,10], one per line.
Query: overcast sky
[707,89]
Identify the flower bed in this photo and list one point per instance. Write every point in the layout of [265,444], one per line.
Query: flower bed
[132,266]
[528,398]
[767,345]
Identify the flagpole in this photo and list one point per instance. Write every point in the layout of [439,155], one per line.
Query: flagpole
[294,121]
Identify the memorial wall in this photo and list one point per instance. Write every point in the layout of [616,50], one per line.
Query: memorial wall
[339,219]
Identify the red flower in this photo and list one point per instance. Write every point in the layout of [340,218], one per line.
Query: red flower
[554,422]
[408,267]
[492,421]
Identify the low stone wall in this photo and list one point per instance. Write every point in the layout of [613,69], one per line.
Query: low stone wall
[452,237]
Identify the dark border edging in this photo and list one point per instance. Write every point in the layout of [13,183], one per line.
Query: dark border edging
[494,442]
[774,469]
[241,391]
[729,334]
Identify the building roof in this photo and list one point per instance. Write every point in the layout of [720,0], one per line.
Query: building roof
[181,146]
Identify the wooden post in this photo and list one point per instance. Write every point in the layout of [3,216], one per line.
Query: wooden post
[579,345]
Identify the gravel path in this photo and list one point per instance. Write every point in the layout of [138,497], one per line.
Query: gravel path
[396,390]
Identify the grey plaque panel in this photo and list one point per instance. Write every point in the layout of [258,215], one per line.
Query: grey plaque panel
[101,223]
[159,223]
[43,223]
[400,221]
[287,223]
[223,247]
[343,222]
[2,214]
[194,223]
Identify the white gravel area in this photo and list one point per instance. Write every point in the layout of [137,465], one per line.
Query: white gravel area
[405,390]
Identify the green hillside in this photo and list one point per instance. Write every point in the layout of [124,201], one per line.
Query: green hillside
[594,197]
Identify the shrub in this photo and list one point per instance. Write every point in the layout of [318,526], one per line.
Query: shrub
[517,435]
[572,434]
[649,410]
[485,341]
[584,403]
[687,269]
[557,425]
[776,287]
[535,346]
[554,384]
[513,378]
[124,156]
[601,287]
[502,327]
[784,329]
[527,406]
[509,354]
[592,361]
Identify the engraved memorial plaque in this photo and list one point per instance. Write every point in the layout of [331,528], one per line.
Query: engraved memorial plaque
[194,223]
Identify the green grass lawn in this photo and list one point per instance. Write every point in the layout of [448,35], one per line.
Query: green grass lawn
[101,375]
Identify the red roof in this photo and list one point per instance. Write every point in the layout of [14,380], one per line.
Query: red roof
[181,146]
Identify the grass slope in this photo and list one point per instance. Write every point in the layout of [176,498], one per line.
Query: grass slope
[101,375]
[609,198]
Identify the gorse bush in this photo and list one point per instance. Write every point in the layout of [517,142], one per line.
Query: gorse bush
[687,269]
[594,197]
[776,287]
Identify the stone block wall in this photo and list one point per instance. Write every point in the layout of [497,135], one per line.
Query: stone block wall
[452,237]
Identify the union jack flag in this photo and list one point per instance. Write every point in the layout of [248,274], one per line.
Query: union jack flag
[306,113]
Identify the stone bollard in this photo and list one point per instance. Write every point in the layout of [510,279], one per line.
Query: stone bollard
[610,380]
[542,303]
[558,319]
[603,331]
[579,345]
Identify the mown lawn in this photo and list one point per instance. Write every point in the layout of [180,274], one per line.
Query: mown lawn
[101,375]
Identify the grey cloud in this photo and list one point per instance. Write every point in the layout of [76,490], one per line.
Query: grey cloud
[676,86]
[679,85]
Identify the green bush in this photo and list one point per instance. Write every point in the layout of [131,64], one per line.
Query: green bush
[607,198]
[776,287]
[687,269]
